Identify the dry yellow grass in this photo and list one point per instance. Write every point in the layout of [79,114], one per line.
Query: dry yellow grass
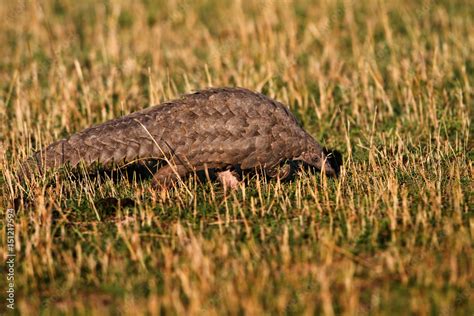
[388,83]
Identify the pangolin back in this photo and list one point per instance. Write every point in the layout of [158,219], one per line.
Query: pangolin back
[211,128]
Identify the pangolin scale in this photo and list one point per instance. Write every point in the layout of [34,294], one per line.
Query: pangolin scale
[218,128]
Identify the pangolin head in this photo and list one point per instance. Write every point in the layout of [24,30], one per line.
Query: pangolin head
[329,161]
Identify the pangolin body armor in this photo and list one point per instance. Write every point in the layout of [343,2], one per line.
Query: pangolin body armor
[214,128]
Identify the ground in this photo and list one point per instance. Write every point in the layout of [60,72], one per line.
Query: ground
[387,83]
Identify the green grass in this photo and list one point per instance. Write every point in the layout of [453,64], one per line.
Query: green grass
[386,83]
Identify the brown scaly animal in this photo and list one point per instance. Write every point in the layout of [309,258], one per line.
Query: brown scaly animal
[223,129]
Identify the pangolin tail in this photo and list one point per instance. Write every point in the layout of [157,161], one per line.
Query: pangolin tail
[52,156]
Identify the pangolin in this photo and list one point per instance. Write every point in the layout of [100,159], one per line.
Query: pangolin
[223,129]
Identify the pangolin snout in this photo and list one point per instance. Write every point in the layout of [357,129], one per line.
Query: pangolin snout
[333,162]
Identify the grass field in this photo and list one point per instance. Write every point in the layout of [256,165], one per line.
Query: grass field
[387,83]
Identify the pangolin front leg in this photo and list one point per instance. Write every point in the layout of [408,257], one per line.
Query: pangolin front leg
[281,172]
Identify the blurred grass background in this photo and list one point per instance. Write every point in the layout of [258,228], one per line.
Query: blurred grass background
[388,83]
